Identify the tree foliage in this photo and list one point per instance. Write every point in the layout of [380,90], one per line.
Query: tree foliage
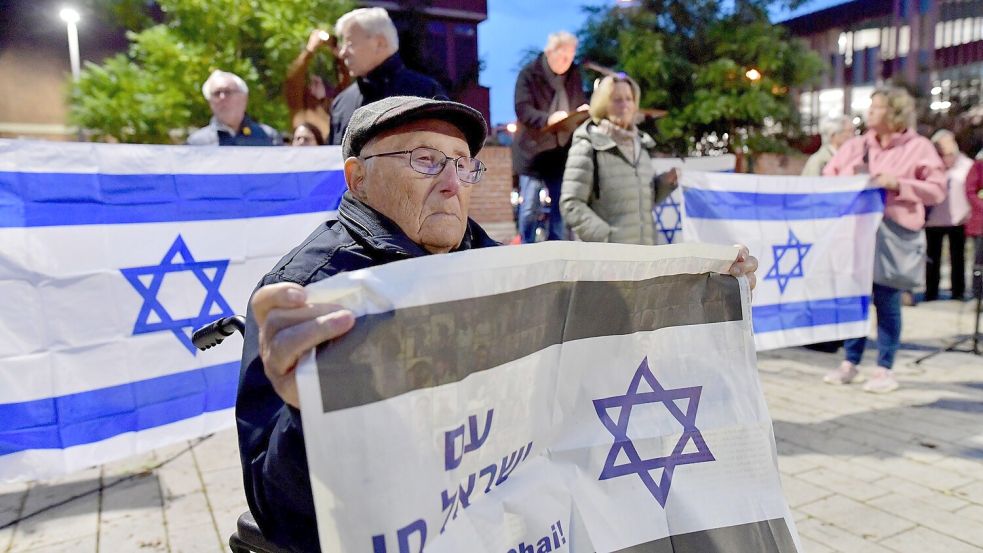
[691,58]
[152,93]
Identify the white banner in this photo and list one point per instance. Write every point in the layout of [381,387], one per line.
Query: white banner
[814,240]
[548,397]
[111,256]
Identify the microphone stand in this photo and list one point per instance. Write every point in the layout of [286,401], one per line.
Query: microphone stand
[975,350]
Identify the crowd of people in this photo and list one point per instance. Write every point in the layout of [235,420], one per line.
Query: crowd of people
[399,133]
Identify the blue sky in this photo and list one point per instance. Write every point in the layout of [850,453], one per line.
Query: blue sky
[514,26]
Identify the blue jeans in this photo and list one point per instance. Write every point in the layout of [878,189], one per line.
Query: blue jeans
[887,304]
[528,210]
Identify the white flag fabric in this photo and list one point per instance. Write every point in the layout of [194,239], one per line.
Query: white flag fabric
[814,240]
[668,215]
[546,397]
[111,255]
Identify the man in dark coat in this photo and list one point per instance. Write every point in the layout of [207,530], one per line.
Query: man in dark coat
[548,89]
[392,211]
[370,50]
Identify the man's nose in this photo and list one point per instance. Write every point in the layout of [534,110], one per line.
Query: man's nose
[448,183]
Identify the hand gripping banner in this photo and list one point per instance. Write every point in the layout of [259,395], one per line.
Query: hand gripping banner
[552,397]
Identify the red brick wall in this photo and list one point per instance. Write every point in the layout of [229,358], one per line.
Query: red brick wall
[490,205]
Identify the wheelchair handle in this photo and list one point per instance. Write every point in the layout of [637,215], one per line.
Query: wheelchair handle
[214,332]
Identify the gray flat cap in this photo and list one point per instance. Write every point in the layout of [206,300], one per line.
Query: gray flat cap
[371,119]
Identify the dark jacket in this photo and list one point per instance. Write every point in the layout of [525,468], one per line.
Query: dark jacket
[974,186]
[390,78]
[271,442]
[534,152]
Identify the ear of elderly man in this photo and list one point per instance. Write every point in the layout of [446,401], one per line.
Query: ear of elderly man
[410,169]
[227,96]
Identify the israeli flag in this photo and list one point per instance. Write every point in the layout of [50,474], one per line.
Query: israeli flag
[814,240]
[668,215]
[112,255]
[561,396]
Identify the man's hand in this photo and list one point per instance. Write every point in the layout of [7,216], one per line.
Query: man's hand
[317,38]
[886,181]
[556,117]
[288,328]
[745,264]
[671,177]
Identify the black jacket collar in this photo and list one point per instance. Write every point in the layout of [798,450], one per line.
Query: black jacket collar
[376,231]
[378,79]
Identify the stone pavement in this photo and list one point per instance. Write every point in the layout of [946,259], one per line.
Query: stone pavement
[899,473]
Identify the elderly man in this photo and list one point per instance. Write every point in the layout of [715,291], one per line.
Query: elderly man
[370,50]
[834,132]
[547,90]
[227,95]
[946,220]
[410,169]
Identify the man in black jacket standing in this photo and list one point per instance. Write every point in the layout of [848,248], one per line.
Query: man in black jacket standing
[369,47]
[547,90]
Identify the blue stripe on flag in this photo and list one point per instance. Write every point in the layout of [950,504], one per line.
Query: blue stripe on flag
[92,416]
[756,206]
[49,199]
[784,316]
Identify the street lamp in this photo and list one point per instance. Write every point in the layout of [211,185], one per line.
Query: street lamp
[71,17]
[753,74]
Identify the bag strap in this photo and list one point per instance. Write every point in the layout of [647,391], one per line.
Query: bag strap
[596,188]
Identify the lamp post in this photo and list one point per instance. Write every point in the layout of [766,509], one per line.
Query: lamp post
[71,17]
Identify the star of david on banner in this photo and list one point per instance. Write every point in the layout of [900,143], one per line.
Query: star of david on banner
[623,443]
[148,280]
[662,220]
[778,251]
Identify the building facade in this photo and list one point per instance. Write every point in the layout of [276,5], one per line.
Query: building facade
[933,46]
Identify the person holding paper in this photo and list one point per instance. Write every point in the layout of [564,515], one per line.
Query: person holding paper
[610,186]
[410,169]
[547,91]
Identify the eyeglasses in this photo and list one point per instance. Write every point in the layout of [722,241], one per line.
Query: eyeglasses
[431,162]
[218,92]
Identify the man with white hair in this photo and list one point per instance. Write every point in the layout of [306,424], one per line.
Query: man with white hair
[227,95]
[947,220]
[834,132]
[547,90]
[369,47]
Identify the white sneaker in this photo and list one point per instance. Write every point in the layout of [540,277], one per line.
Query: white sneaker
[845,374]
[882,382]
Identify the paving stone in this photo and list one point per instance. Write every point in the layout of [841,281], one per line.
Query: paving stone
[799,492]
[845,485]
[859,519]
[923,540]
[945,522]
[941,500]
[973,512]
[837,538]
[196,539]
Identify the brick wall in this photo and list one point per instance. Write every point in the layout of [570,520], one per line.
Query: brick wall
[490,205]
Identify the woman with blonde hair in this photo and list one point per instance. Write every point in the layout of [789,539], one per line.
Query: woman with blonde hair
[609,185]
[908,168]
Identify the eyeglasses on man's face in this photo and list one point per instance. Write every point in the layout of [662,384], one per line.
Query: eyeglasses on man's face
[430,161]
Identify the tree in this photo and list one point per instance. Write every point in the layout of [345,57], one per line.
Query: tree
[152,94]
[692,58]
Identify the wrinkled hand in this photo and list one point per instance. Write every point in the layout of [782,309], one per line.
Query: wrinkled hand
[556,117]
[318,37]
[583,107]
[288,328]
[745,264]
[886,181]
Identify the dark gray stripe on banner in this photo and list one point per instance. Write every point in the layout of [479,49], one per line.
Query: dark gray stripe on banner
[392,353]
[767,536]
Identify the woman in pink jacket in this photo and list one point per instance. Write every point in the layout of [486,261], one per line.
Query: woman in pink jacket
[907,166]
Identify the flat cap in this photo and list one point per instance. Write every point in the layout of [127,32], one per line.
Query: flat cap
[388,113]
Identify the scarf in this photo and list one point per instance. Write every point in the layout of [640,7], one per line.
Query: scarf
[627,140]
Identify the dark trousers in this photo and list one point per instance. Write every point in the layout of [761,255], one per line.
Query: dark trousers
[933,268]
[887,304]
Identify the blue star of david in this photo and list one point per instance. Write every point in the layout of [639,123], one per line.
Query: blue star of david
[669,205]
[622,443]
[779,251]
[152,306]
